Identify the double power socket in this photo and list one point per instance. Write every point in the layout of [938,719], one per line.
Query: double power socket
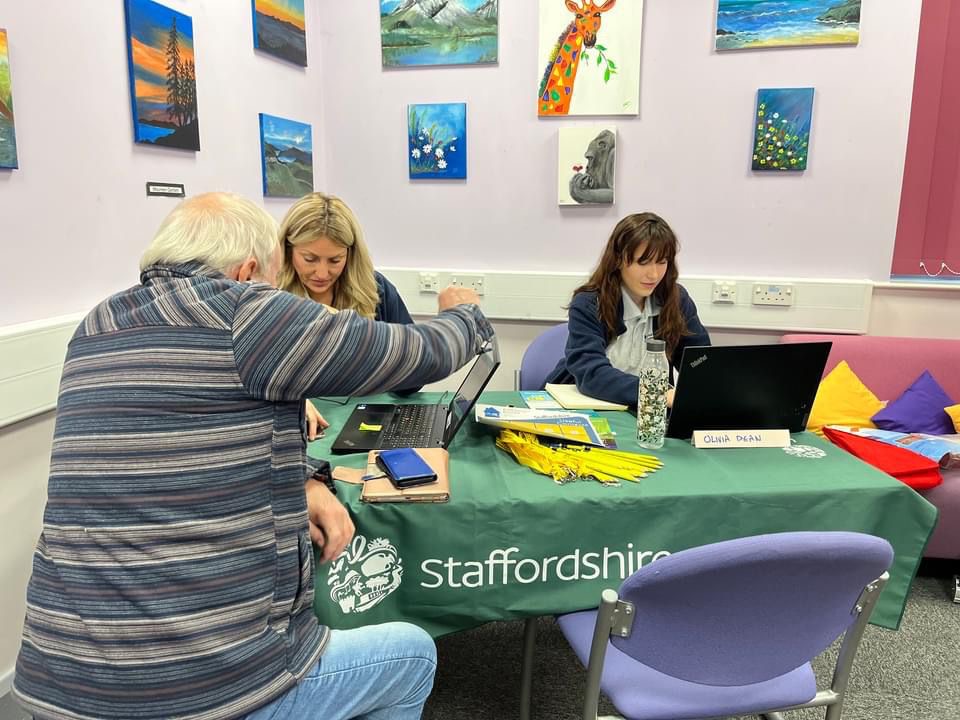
[434,282]
[725,293]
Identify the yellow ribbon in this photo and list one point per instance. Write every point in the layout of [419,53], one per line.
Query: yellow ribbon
[575,462]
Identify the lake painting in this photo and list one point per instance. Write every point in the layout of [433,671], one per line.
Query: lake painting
[279,29]
[437,141]
[438,32]
[286,157]
[8,138]
[781,135]
[750,24]
[163,82]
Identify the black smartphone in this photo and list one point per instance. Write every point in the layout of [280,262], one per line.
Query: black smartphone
[405,468]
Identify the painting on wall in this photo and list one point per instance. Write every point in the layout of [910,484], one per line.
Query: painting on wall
[8,136]
[438,32]
[437,141]
[586,165]
[279,28]
[163,82]
[589,55]
[782,130]
[747,24]
[286,157]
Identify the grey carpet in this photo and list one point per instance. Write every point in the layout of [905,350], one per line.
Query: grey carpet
[911,673]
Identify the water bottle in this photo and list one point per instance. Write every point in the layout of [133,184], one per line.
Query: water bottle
[652,396]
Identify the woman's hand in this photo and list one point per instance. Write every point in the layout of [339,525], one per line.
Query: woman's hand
[670,393]
[315,422]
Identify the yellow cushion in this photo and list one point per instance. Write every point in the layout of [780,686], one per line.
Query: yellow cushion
[842,399]
[954,412]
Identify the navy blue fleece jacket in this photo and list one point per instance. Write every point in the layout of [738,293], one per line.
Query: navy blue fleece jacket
[585,360]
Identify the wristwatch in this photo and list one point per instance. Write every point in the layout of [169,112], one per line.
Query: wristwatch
[322,474]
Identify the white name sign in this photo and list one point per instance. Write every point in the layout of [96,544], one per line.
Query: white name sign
[741,438]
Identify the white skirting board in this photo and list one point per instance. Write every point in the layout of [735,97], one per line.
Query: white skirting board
[841,306]
[31,354]
[31,359]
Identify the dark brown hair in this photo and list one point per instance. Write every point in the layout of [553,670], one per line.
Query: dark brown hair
[661,244]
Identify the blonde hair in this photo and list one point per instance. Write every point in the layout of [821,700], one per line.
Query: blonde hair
[219,229]
[318,215]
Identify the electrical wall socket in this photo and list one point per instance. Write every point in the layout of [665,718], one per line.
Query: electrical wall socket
[724,292]
[429,282]
[474,282]
[768,294]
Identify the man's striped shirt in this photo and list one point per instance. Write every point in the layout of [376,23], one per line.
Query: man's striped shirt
[174,577]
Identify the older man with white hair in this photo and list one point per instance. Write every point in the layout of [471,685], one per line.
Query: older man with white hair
[174,575]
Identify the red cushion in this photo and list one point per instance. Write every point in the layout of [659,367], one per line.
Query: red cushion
[908,467]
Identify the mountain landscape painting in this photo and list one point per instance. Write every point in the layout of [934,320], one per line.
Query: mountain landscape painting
[749,24]
[163,83]
[286,155]
[438,32]
[279,28]
[8,138]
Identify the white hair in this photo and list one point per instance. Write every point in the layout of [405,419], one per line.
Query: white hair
[219,229]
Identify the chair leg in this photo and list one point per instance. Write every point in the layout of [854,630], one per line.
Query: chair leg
[956,588]
[526,670]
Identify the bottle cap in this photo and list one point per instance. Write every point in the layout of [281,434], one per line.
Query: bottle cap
[654,345]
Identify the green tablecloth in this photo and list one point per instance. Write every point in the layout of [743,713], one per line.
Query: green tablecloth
[512,543]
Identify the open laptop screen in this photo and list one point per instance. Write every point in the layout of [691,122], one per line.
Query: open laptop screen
[746,387]
[471,387]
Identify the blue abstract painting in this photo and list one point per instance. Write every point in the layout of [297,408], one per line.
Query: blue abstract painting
[163,83]
[286,157]
[750,24]
[782,129]
[437,141]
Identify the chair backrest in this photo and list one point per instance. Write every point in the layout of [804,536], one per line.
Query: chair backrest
[542,356]
[887,365]
[751,609]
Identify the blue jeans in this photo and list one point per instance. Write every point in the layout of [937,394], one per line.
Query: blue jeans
[379,672]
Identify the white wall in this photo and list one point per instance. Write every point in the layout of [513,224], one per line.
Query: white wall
[75,216]
[686,156]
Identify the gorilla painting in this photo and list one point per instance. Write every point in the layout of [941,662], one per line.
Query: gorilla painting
[595,184]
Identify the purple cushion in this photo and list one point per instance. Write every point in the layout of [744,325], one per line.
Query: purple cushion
[918,410]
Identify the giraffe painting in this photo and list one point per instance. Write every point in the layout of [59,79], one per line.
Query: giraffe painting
[556,87]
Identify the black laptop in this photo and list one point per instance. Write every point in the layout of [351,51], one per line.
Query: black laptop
[746,387]
[381,426]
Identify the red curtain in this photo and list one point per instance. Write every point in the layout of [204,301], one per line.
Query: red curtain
[928,229]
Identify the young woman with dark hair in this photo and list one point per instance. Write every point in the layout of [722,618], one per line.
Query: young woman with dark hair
[632,295]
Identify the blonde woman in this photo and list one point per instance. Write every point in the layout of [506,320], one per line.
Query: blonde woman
[326,259]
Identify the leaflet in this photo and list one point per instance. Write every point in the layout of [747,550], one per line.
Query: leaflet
[564,425]
[940,450]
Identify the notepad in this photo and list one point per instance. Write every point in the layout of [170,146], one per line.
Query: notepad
[572,399]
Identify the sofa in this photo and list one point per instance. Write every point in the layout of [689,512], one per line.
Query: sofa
[888,365]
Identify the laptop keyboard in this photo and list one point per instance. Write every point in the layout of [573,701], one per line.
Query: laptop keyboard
[412,426]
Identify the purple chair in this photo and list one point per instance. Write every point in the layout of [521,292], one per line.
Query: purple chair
[730,628]
[540,357]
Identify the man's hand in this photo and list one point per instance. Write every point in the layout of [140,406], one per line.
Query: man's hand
[315,422]
[330,525]
[453,295]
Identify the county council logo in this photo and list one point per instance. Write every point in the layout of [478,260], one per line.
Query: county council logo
[805,451]
[364,574]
